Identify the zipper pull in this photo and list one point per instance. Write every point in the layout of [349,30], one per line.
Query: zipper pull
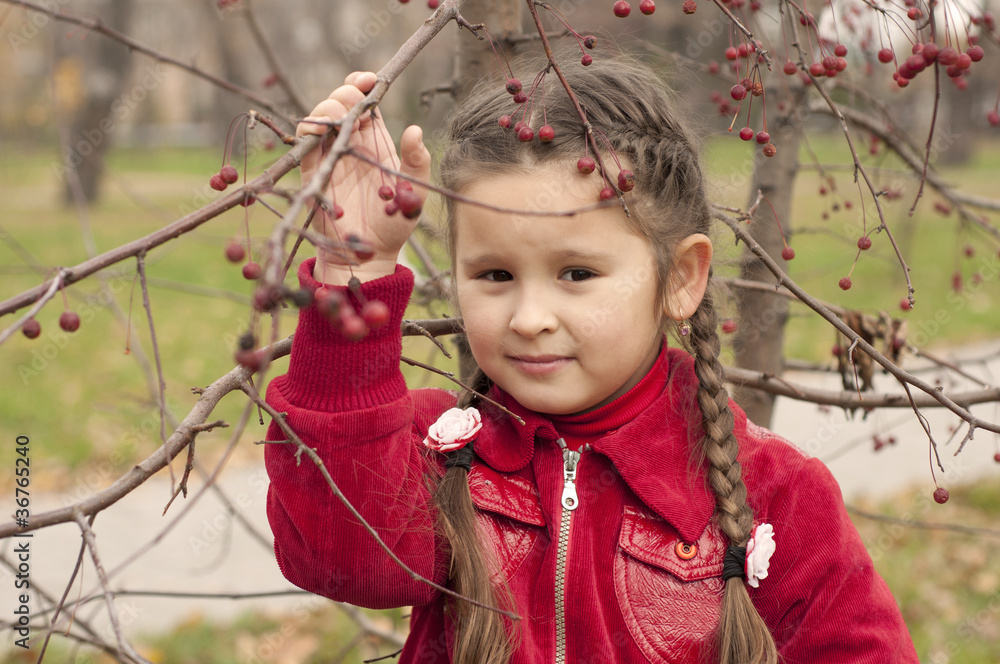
[570,501]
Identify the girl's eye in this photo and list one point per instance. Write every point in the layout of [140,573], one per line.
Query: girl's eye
[577,274]
[497,275]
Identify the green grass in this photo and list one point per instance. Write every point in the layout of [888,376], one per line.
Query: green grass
[825,242]
[82,399]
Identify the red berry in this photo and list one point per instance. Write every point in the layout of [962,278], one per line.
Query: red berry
[248,199]
[607,194]
[586,60]
[504,121]
[338,211]
[964,61]
[329,301]
[252,271]
[993,118]
[840,50]
[235,252]
[250,359]
[905,305]
[216,182]
[31,328]
[590,41]
[930,52]
[731,53]
[69,321]
[996,457]
[521,97]
[729,326]
[845,283]
[546,134]
[947,56]
[689,7]
[817,70]
[941,495]
[885,55]
[746,133]
[229,174]
[622,9]
[513,86]
[790,68]
[626,180]
[788,253]
[375,314]
[385,192]
[914,13]
[737,92]
[647,7]
[433,4]
[586,165]
[519,124]
[525,134]
[969,251]
[975,53]
[864,243]
[769,150]
[352,325]
[391,208]
[763,137]
[409,202]
[956,281]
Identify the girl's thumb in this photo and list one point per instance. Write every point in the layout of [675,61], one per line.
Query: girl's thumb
[415,159]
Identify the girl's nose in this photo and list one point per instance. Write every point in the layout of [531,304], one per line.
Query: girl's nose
[533,315]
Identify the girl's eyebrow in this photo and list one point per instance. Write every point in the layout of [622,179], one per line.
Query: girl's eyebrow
[561,255]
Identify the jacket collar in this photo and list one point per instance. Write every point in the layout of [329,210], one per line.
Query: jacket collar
[653,452]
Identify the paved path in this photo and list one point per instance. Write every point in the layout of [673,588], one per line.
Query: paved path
[207,553]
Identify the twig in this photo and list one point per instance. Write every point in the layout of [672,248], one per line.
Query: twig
[189,222]
[96,25]
[46,294]
[925,525]
[272,59]
[125,648]
[315,458]
[902,376]
[450,376]
[140,267]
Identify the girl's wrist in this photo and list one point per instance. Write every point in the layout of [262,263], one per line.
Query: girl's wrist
[335,274]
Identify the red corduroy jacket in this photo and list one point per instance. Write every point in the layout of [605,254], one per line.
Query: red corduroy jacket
[610,581]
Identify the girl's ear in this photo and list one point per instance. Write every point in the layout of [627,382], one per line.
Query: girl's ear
[689,278]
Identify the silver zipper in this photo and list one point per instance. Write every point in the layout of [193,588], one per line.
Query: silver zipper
[570,502]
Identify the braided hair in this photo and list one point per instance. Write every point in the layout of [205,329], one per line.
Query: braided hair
[640,121]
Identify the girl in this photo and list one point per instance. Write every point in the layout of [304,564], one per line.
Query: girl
[630,515]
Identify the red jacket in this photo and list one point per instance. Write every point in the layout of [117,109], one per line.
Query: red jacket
[628,595]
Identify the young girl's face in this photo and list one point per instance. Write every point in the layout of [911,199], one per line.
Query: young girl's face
[560,312]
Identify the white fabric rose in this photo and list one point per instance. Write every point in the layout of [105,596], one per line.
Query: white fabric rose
[760,548]
[453,429]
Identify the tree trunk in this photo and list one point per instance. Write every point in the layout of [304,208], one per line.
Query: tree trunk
[759,340]
[105,65]
[474,58]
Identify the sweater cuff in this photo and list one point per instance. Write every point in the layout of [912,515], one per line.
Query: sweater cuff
[328,372]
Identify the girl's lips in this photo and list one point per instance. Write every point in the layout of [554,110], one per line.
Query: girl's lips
[539,365]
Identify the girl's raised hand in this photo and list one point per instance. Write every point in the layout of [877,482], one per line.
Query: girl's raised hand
[354,186]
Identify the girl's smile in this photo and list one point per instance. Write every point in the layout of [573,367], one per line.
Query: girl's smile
[561,312]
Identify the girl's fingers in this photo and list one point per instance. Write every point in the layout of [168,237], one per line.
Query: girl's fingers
[363,80]
[415,159]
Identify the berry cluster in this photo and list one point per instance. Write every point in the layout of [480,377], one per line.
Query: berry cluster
[337,308]
[69,320]
[621,8]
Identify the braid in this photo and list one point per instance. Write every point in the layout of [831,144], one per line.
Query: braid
[743,637]
[482,636]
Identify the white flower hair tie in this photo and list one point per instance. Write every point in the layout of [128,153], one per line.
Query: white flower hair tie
[751,561]
[454,432]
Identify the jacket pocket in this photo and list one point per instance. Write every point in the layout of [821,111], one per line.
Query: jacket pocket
[509,514]
[669,591]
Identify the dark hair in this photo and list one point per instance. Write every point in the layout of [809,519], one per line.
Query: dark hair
[668,203]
